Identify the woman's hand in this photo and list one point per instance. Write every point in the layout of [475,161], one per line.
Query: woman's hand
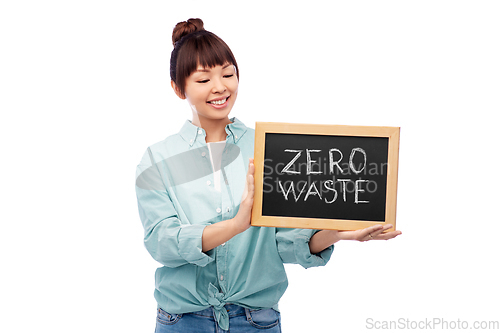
[370,233]
[325,238]
[242,219]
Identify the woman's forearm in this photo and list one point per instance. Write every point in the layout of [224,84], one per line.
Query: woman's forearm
[220,232]
[217,234]
[323,239]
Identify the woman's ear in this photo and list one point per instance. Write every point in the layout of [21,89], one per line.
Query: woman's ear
[177,90]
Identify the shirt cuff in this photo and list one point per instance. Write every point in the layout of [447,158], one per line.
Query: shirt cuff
[303,254]
[190,247]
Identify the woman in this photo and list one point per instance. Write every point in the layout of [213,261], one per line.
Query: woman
[195,194]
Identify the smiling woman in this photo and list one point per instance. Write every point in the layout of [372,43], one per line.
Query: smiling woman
[204,71]
[195,192]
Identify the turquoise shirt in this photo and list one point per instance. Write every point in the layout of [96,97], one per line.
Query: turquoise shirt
[177,200]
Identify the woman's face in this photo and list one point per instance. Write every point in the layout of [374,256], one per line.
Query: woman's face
[211,92]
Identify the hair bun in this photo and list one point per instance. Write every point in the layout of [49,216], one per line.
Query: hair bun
[185,28]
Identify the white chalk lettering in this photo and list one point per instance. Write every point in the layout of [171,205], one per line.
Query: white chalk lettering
[309,192]
[335,193]
[344,181]
[335,163]
[309,162]
[292,189]
[351,164]
[285,169]
[357,190]
[321,190]
[361,188]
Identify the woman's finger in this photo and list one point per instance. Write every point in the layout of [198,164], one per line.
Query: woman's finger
[250,174]
[388,235]
[251,185]
[381,230]
[251,167]
[368,233]
[249,190]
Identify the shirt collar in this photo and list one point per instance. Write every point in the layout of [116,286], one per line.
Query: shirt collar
[191,133]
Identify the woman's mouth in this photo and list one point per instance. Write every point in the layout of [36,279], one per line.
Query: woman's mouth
[219,103]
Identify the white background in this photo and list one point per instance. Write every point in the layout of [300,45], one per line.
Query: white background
[85,88]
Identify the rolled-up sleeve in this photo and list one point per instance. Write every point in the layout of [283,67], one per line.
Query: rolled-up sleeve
[169,241]
[293,247]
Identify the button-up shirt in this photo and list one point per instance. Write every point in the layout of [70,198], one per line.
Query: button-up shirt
[177,200]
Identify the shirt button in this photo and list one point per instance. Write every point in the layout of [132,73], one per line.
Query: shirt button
[222,278]
[203,154]
[219,210]
[191,141]
[209,182]
[200,131]
[236,137]
[223,244]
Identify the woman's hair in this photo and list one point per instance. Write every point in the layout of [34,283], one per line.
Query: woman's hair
[193,46]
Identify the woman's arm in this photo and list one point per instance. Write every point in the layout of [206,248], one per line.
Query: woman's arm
[220,232]
[325,238]
[167,239]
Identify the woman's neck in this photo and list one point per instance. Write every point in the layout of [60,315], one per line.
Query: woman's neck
[215,129]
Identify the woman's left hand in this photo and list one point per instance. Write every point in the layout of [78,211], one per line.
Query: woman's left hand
[370,233]
[324,238]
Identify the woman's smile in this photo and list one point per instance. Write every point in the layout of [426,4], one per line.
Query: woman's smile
[219,103]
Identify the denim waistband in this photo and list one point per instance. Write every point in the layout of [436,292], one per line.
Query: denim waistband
[232,311]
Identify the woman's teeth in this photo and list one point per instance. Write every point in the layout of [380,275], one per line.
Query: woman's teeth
[220,102]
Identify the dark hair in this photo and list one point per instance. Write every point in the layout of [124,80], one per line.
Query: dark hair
[193,46]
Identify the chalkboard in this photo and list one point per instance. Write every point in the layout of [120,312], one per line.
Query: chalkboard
[325,176]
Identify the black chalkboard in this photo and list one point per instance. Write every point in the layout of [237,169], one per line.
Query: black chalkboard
[319,175]
[345,177]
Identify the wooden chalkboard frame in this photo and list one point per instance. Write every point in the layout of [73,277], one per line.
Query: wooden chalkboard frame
[261,128]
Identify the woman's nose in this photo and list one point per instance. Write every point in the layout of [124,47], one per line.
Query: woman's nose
[218,86]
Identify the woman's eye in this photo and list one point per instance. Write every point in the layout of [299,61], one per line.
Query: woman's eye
[228,76]
[202,81]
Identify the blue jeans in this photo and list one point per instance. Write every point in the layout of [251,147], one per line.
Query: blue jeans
[241,320]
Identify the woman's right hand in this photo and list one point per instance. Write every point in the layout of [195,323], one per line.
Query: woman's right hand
[242,219]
